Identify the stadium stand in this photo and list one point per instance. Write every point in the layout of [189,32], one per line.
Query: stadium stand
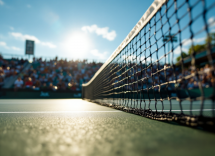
[10,69]
[49,75]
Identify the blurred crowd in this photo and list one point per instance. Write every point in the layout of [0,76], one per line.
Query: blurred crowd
[70,75]
[165,76]
[10,68]
[56,74]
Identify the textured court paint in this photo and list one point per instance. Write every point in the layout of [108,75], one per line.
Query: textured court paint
[97,134]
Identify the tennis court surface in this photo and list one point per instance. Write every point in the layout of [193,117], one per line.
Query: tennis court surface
[77,127]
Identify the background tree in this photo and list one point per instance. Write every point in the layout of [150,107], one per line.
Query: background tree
[211,39]
[184,55]
[197,48]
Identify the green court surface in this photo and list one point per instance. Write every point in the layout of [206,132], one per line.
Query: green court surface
[77,127]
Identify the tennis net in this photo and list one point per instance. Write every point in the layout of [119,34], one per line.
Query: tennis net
[165,68]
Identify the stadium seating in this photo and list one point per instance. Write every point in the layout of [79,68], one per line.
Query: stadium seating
[50,75]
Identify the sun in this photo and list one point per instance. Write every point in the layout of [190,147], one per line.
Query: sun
[77,45]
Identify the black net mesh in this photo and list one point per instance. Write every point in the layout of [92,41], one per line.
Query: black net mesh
[166,72]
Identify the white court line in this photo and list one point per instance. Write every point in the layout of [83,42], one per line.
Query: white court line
[165,103]
[63,112]
[193,110]
[46,112]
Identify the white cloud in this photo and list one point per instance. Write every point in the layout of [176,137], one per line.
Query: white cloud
[198,40]
[149,59]
[28,6]
[100,31]
[48,44]
[99,55]
[213,30]
[178,50]
[11,28]
[4,44]
[211,22]
[20,36]
[16,48]
[1,2]
[142,58]
[195,40]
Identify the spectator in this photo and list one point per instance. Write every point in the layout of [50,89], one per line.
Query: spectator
[195,84]
[1,82]
[207,69]
[50,87]
[28,83]
[44,86]
[2,74]
[63,86]
[18,84]
[73,86]
[37,85]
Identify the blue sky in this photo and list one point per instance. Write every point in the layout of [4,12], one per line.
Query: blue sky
[90,29]
[70,28]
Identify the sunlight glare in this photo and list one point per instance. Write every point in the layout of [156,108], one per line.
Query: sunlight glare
[77,45]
